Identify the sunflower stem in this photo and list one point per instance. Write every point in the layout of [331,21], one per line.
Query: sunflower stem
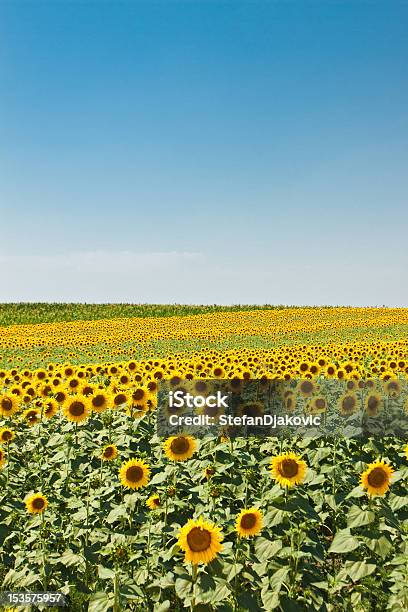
[194,581]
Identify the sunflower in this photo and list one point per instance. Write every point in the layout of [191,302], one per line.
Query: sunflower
[348,404]
[99,401]
[134,474]
[120,398]
[32,416]
[373,404]
[209,471]
[317,405]
[307,387]
[179,448]
[50,408]
[377,478]
[288,469]
[109,453]
[36,503]
[8,404]
[76,408]
[6,435]
[249,522]
[406,451]
[392,388]
[200,540]
[153,502]
[2,458]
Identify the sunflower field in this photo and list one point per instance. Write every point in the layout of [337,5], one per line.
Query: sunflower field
[97,506]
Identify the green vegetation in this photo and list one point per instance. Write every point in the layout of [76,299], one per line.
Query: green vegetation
[23,313]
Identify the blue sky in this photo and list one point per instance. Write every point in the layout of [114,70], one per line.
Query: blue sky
[204,151]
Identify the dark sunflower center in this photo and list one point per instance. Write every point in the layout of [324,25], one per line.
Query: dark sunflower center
[109,451]
[38,503]
[6,436]
[248,521]
[200,387]
[120,399]
[348,404]
[199,539]
[306,386]
[179,445]
[6,403]
[288,468]
[377,477]
[372,403]
[320,403]
[98,401]
[77,409]
[138,394]
[134,473]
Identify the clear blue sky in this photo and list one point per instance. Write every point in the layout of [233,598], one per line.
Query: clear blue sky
[204,151]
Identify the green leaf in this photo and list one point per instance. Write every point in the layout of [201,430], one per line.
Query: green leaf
[163,607]
[343,542]
[278,578]
[358,517]
[266,549]
[158,478]
[359,569]
[105,573]
[100,602]
[183,588]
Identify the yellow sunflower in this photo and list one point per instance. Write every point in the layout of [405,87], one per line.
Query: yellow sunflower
[288,469]
[99,401]
[32,416]
[153,502]
[180,448]
[36,503]
[6,435]
[377,478]
[200,540]
[109,453]
[134,474]
[249,522]
[373,404]
[406,451]
[50,408]
[348,404]
[76,408]
[8,404]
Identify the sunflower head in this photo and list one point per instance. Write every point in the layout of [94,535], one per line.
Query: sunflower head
[209,471]
[180,448]
[377,478]
[134,474]
[32,416]
[99,401]
[76,408]
[288,469]
[109,453]
[200,540]
[36,503]
[6,435]
[248,522]
[153,502]
[8,404]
